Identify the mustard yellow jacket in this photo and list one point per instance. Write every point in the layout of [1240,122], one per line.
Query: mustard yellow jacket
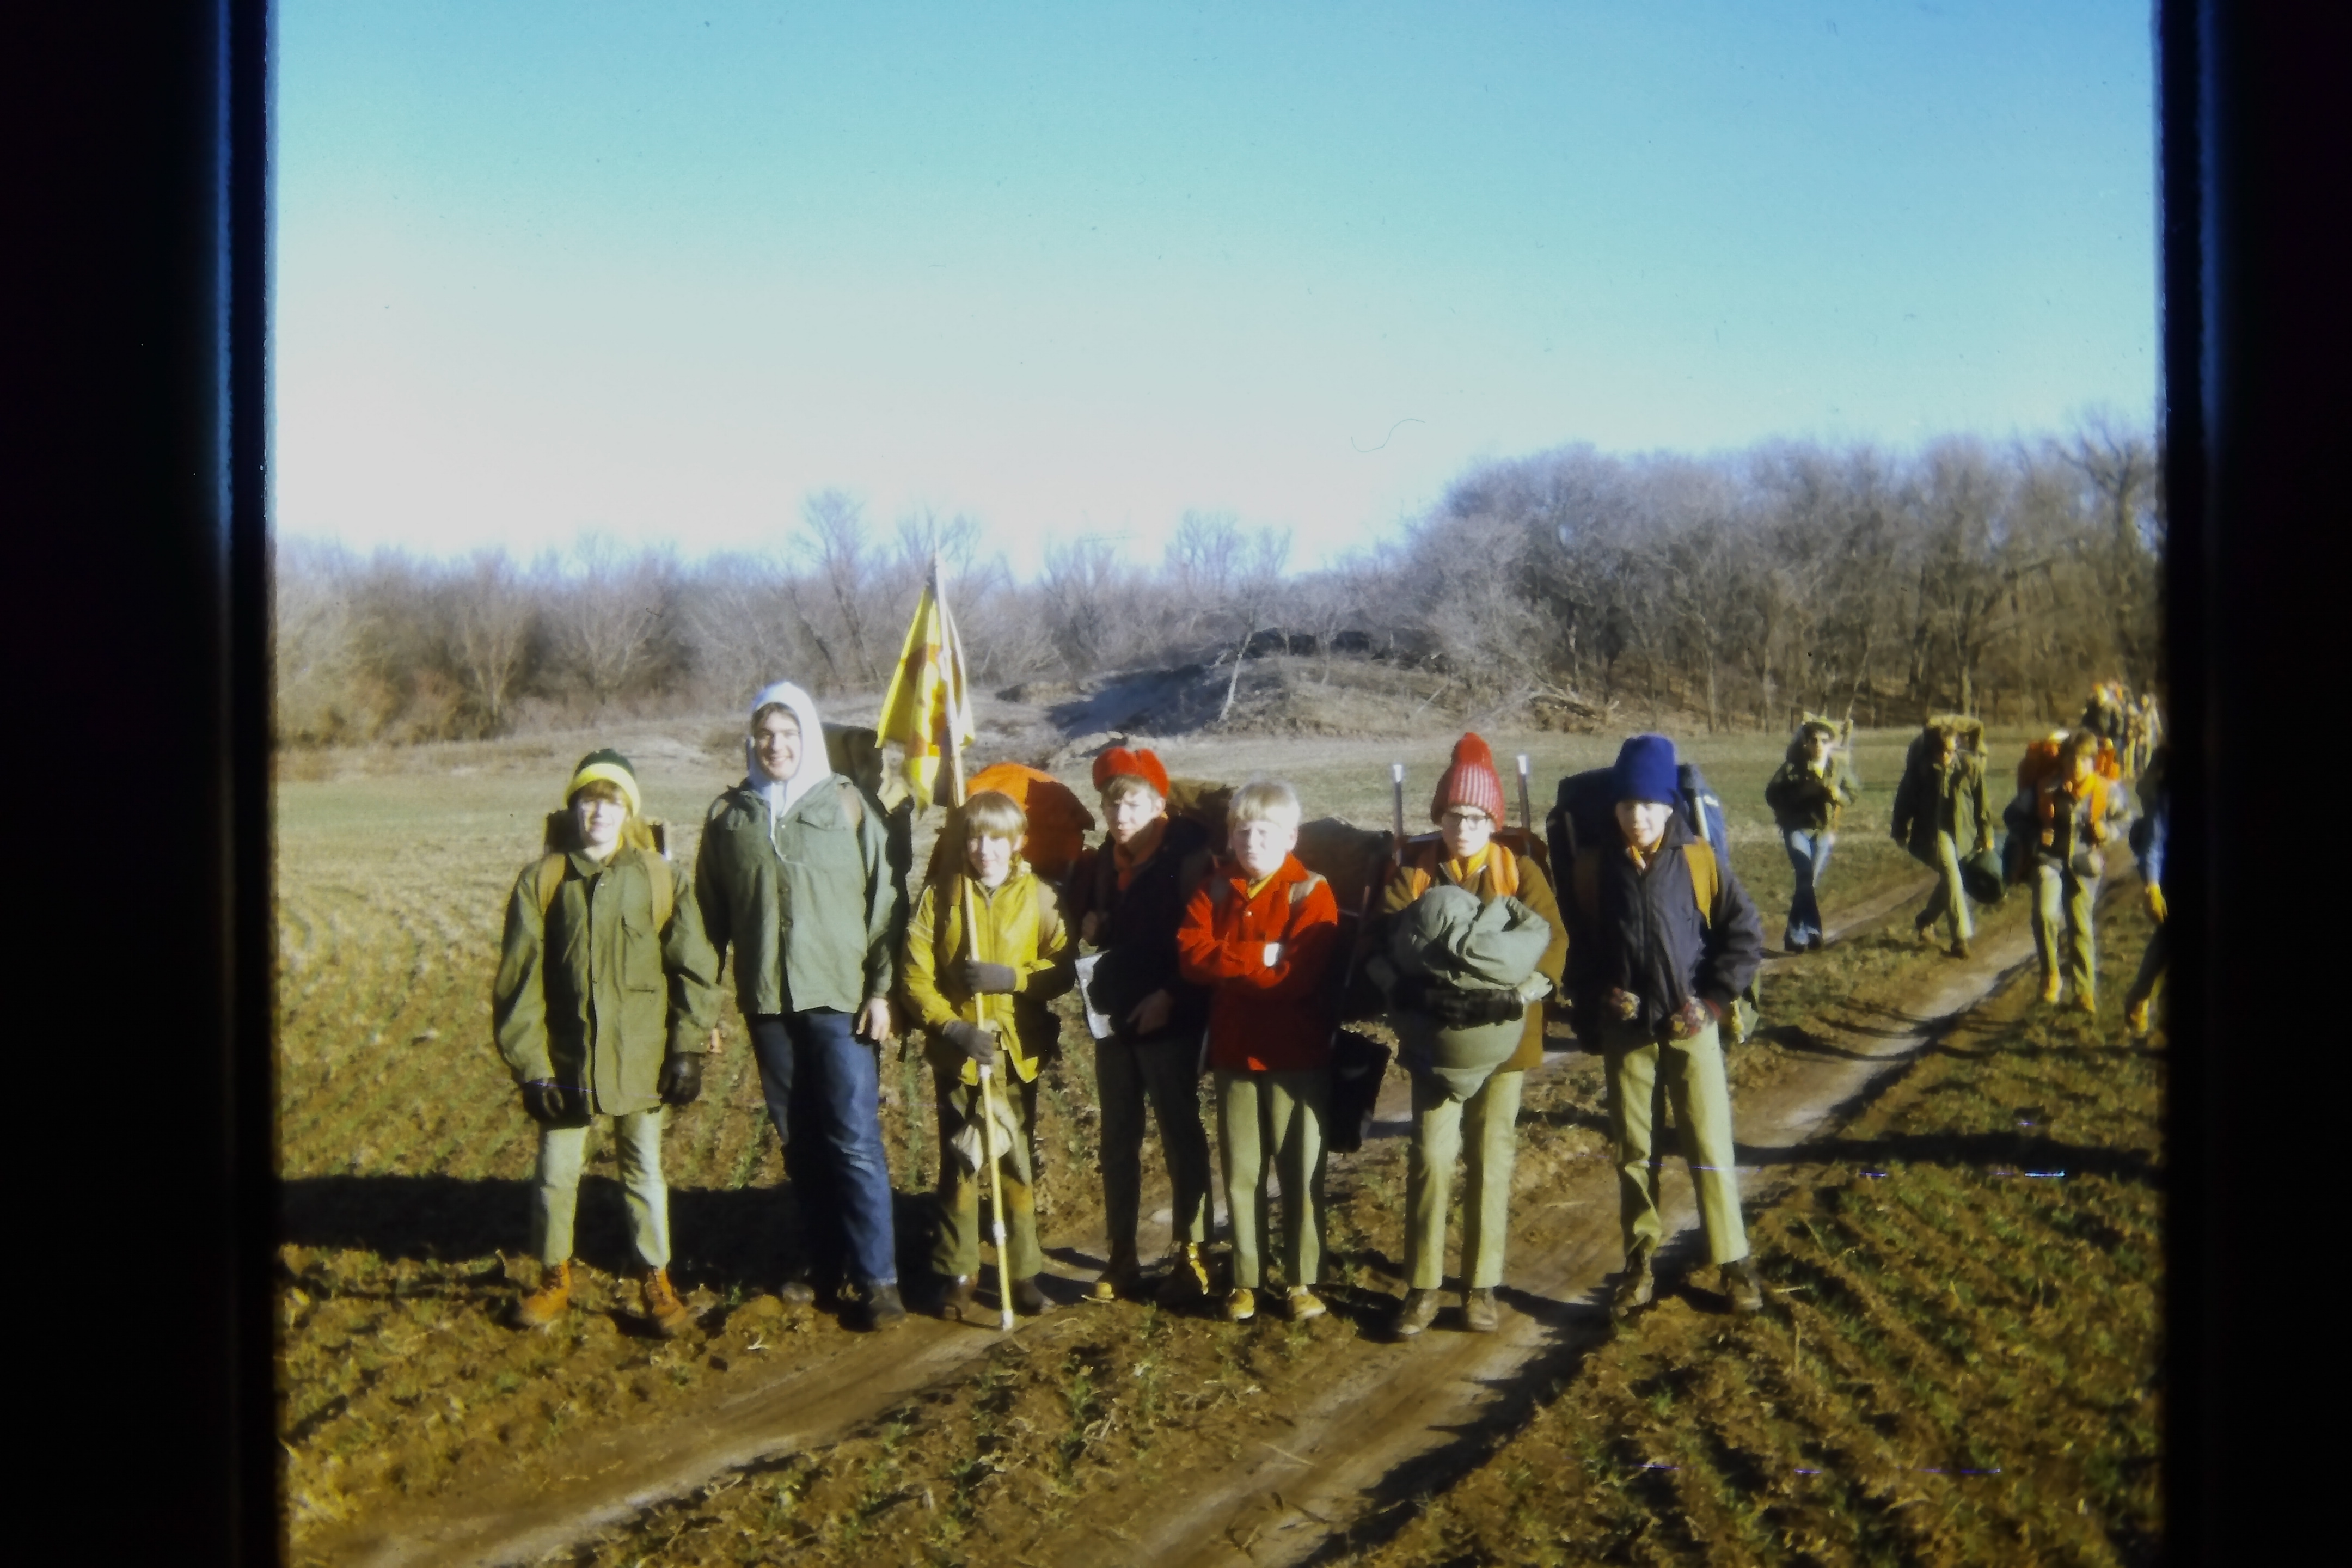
[1020,926]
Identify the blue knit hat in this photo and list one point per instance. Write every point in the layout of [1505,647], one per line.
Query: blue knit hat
[1645,770]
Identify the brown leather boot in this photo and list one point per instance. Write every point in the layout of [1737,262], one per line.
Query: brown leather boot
[954,1304]
[548,1302]
[1028,1299]
[664,1311]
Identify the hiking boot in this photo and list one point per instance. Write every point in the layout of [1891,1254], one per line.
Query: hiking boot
[1304,1304]
[1418,1310]
[954,1304]
[1119,1279]
[1959,948]
[2050,987]
[1240,1304]
[1635,1287]
[796,1293]
[548,1302]
[1027,1300]
[1739,1283]
[664,1311]
[1478,1312]
[2136,1018]
[1187,1276]
[1924,932]
[882,1308]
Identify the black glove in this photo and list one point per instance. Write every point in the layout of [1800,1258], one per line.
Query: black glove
[1412,993]
[972,1041]
[1461,1009]
[681,1079]
[980,977]
[545,1101]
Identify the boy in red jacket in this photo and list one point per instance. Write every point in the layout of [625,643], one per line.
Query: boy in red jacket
[1260,932]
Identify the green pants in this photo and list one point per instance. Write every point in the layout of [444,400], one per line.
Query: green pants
[955,1246]
[1277,1113]
[1163,1073]
[1489,1119]
[1949,901]
[555,1193]
[2062,918]
[1690,1072]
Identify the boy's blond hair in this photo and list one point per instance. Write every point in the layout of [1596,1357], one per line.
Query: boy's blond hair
[1264,799]
[1125,784]
[992,814]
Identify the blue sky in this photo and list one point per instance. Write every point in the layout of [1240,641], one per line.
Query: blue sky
[662,270]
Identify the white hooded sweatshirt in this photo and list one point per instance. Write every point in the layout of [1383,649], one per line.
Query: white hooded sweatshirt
[782,795]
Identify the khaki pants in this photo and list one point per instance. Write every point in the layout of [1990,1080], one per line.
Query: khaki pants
[955,1247]
[1281,1114]
[1488,1120]
[1690,1072]
[555,1194]
[1949,900]
[2062,920]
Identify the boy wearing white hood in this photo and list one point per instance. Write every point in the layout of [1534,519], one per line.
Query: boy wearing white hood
[794,875]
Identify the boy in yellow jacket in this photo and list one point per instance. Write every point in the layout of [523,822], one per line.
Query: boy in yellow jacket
[980,998]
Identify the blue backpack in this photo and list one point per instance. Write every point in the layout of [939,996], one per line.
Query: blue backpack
[1584,814]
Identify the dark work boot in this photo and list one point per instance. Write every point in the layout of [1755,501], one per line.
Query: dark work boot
[1027,1300]
[1739,1283]
[882,1308]
[1636,1286]
[955,1299]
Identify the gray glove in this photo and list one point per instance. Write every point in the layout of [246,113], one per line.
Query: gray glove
[972,1041]
[989,978]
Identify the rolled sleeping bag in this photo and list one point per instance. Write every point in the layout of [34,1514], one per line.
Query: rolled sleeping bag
[1447,935]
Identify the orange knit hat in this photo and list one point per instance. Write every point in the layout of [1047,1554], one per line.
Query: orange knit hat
[1139,762]
[1470,781]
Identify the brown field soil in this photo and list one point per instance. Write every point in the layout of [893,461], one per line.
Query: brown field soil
[405,1156]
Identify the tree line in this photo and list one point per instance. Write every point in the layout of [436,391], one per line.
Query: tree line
[1577,586]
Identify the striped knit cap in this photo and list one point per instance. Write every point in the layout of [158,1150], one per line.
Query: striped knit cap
[1471,780]
[607,766]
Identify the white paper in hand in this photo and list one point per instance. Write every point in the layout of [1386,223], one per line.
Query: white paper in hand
[1273,953]
[1098,1024]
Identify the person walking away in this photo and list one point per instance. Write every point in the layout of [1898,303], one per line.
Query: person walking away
[1260,932]
[1807,795]
[1939,809]
[1661,937]
[981,997]
[2147,841]
[605,992]
[2071,811]
[1127,898]
[793,877]
[1468,806]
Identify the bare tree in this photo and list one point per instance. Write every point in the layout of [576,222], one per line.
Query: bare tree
[833,537]
[612,615]
[492,621]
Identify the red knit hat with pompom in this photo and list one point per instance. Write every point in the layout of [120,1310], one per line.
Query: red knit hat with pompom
[1470,781]
[1140,764]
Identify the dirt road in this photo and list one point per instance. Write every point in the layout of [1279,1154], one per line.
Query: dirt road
[1391,1420]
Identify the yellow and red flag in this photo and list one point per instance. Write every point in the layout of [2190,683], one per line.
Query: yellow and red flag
[928,697]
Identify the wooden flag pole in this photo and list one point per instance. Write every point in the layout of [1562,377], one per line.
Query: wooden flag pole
[952,746]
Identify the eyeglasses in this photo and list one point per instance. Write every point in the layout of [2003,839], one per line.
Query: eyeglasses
[1466,818]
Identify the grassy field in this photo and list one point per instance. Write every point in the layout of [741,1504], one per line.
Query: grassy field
[404,1153]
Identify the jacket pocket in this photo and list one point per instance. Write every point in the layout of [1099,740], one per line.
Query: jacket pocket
[641,961]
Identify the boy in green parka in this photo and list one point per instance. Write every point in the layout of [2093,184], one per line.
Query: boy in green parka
[1808,794]
[1941,818]
[605,994]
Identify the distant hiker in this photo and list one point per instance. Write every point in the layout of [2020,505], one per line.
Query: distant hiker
[1661,937]
[794,876]
[2071,808]
[1471,1031]
[1808,794]
[2149,837]
[1260,931]
[1126,898]
[980,997]
[605,992]
[1941,818]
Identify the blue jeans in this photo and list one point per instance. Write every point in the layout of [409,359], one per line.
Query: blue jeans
[823,1088]
[1809,853]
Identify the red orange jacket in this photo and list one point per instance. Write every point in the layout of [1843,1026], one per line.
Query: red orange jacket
[1262,1018]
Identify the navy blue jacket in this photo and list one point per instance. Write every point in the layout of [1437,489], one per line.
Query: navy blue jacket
[1138,927]
[1648,938]
[2148,833]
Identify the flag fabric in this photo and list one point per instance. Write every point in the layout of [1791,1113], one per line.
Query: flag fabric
[928,687]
